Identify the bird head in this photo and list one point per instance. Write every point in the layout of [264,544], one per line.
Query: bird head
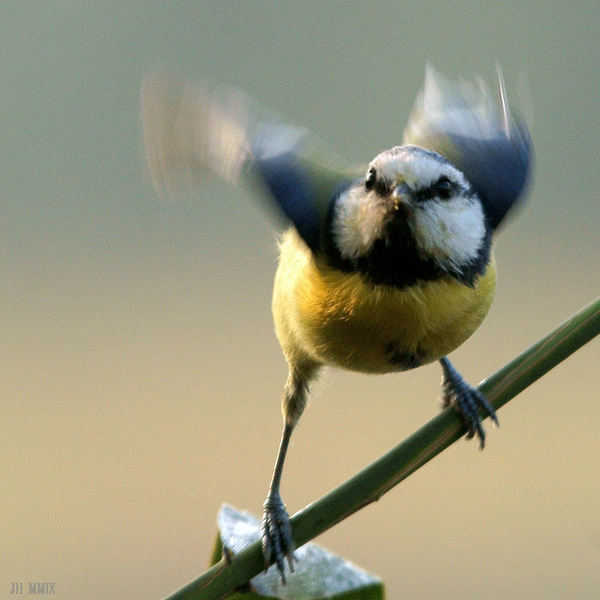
[412,217]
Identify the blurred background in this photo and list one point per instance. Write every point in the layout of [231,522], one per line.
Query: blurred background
[140,375]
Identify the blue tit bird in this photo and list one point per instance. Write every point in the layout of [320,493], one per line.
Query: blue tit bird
[384,267]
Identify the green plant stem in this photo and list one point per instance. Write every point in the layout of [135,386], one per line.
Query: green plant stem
[390,469]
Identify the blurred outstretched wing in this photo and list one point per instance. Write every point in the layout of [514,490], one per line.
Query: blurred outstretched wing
[190,130]
[491,147]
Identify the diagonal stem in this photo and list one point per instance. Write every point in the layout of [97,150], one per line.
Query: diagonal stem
[390,469]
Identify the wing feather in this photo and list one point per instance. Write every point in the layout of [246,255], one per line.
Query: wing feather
[192,130]
[491,146]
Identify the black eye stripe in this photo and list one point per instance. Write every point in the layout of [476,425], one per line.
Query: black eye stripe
[374,181]
[370,179]
[443,189]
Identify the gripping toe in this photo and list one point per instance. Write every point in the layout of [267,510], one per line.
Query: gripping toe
[277,541]
[468,401]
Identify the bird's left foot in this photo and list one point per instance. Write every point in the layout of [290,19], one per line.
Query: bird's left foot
[277,541]
[466,400]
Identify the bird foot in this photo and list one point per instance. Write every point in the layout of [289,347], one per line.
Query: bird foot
[277,541]
[467,401]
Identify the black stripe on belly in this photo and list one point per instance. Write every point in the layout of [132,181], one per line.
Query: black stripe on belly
[402,358]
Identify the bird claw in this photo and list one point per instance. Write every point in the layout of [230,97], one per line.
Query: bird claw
[467,401]
[277,542]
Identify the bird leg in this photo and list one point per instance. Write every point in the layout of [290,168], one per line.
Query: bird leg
[277,540]
[466,400]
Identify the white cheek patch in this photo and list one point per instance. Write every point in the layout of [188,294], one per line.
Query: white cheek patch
[452,232]
[358,221]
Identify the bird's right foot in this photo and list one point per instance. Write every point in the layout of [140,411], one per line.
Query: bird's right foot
[466,400]
[277,542]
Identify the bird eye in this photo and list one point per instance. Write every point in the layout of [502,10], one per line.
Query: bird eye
[443,188]
[370,179]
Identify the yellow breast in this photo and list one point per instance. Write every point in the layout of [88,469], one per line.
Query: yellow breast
[340,319]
